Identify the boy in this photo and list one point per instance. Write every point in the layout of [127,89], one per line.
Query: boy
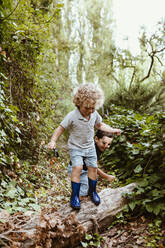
[80,124]
[103,140]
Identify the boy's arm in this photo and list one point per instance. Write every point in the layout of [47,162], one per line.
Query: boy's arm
[57,133]
[106,128]
[105,175]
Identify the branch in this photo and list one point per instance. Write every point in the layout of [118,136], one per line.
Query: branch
[159,60]
[133,75]
[117,81]
[161,50]
[150,68]
[152,55]
[6,17]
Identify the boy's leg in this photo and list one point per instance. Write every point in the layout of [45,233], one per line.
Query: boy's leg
[92,174]
[76,157]
[91,162]
[83,182]
[75,175]
[75,183]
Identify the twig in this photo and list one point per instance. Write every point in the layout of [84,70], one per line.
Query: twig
[6,17]
[4,237]
[147,165]
[150,68]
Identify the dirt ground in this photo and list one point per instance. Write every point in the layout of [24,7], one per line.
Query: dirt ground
[135,234]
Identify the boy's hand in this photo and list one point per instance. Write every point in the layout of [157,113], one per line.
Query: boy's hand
[111,178]
[51,145]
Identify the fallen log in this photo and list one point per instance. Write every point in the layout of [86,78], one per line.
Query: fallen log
[67,227]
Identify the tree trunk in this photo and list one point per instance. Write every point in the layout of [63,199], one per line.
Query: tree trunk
[67,227]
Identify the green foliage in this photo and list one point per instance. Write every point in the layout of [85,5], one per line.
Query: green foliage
[156,235]
[28,25]
[21,48]
[27,92]
[139,79]
[9,130]
[14,199]
[139,155]
[92,240]
[51,85]
[139,97]
[31,187]
[23,185]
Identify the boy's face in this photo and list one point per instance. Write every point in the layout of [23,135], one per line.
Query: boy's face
[103,143]
[87,109]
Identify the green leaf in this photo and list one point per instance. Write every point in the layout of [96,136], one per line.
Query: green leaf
[135,152]
[138,169]
[20,191]
[36,207]
[149,208]
[15,120]
[144,182]
[156,210]
[19,209]
[11,193]
[140,191]
[3,134]
[88,236]
[84,244]
[4,183]
[1,74]
[3,220]
[18,130]
[132,205]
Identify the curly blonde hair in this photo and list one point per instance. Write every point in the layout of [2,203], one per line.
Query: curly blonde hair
[89,93]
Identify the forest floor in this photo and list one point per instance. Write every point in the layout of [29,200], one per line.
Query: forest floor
[135,232]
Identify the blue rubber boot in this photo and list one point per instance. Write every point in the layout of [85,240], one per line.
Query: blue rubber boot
[92,191]
[75,200]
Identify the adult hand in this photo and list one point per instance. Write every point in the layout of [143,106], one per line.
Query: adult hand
[51,145]
[111,178]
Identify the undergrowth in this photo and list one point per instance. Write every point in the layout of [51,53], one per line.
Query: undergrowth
[138,155]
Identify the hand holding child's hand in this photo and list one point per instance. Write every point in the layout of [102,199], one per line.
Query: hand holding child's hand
[111,178]
[51,145]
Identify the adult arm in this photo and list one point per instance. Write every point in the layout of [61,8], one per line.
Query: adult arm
[57,133]
[105,175]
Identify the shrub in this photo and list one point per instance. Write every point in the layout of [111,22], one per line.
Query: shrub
[139,155]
